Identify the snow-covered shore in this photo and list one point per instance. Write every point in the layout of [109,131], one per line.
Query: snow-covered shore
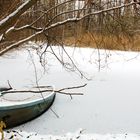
[79,135]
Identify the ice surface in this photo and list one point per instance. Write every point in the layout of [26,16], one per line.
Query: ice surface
[111,99]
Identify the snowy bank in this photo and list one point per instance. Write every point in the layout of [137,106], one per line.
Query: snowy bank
[19,135]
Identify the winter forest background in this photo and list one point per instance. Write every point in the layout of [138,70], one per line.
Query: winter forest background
[108,24]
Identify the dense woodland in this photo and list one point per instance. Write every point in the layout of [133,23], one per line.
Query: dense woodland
[109,24]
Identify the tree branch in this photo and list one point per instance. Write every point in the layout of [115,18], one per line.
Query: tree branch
[8,22]
[40,90]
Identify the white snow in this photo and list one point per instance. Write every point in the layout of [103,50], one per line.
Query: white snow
[79,135]
[109,108]
[1,36]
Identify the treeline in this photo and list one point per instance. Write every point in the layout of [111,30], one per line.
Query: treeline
[95,23]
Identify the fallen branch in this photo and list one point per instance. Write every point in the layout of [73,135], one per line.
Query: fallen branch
[67,88]
[40,90]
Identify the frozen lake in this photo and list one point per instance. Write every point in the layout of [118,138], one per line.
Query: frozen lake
[111,99]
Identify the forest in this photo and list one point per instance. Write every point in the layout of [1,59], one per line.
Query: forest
[108,24]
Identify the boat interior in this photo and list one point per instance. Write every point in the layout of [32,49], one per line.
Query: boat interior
[20,98]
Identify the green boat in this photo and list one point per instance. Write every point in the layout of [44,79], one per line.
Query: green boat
[18,108]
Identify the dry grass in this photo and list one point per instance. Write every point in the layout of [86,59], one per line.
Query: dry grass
[110,42]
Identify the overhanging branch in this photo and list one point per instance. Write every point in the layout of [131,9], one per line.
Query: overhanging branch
[7,22]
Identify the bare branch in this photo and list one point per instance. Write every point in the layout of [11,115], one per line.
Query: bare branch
[12,18]
[75,87]
[60,91]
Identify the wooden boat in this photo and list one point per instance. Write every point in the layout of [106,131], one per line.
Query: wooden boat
[16,109]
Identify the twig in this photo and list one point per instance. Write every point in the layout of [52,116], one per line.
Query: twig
[54,112]
[6,88]
[72,87]
[10,87]
[42,86]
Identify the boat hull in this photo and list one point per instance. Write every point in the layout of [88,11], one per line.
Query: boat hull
[19,114]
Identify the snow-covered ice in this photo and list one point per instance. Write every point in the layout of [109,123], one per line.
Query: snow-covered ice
[109,108]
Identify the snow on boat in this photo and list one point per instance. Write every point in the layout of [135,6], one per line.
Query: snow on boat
[18,108]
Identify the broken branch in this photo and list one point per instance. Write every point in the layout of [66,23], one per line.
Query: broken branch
[61,91]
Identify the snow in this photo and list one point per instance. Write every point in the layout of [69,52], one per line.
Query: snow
[79,135]
[1,36]
[10,29]
[109,108]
